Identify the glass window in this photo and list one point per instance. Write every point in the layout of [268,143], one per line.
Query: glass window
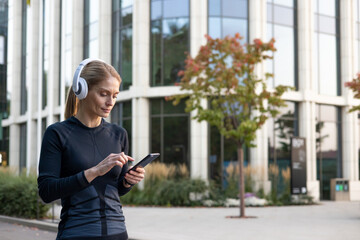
[4,89]
[215,7]
[169,40]
[327,7]
[170,132]
[175,8]
[122,40]
[67,73]
[235,8]
[121,115]
[24,84]
[4,146]
[91,28]
[227,17]
[22,147]
[45,51]
[281,26]
[326,48]
[287,3]
[280,131]
[223,153]
[156,9]
[328,147]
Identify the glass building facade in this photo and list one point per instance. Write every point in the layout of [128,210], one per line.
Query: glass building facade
[282,26]
[121,56]
[327,47]
[169,40]
[4,94]
[147,42]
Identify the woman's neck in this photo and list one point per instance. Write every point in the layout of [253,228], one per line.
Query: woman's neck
[87,120]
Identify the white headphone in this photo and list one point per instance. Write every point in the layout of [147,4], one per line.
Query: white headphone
[80,87]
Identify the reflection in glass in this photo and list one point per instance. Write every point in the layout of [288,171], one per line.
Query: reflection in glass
[91,29]
[280,132]
[22,147]
[46,51]
[283,16]
[170,131]
[327,65]
[175,34]
[4,83]
[230,26]
[284,60]
[280,25]
[24,42]
[227,17]
[234,8]
[175,8]
[4,146]
[223,153]
[327,7]
[287,3]
[326,48]
[169,41]
[121,114]
[328,147]
[122,41]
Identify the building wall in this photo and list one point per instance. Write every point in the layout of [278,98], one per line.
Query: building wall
[66,50]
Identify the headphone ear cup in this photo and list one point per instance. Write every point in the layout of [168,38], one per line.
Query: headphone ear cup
[83,87]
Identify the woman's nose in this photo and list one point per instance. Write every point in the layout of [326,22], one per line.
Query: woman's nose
[110,101]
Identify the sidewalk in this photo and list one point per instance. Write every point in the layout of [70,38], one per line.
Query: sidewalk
[327,221]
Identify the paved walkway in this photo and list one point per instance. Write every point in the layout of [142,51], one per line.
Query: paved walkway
[327,221]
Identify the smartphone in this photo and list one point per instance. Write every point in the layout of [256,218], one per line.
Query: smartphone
[145,161]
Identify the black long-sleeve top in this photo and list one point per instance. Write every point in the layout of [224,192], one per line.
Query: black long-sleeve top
[89,210]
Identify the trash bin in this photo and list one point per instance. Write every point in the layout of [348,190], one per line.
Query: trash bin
[339,189]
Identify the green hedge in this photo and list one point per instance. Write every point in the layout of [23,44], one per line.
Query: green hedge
[172,192]
[19,196]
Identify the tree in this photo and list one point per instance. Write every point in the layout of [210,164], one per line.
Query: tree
[223,73]
[354,85]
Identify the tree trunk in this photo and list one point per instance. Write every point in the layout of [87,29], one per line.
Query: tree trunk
[240,153]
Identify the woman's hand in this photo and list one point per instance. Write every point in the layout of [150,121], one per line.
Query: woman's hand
[134,176]
[114,159]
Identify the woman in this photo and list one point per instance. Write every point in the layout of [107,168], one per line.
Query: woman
[84,159]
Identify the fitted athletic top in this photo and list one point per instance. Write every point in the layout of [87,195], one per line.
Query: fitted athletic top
[89,210]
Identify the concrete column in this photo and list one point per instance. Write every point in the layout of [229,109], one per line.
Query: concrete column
[141,82]
[350,127]
[14,76]
[198,131]
[39,76]
[105,30]
[35,39]
[30,86]
[258,155]
[307,114]
[77,33]
[54,60]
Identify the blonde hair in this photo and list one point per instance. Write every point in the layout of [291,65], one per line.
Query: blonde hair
[94,73]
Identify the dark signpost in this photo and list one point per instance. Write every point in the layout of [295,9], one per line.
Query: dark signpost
[298,165]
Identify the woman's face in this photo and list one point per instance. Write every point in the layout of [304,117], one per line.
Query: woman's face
[102,97]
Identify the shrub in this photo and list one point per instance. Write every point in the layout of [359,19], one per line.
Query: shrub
[166,185]
[19,195]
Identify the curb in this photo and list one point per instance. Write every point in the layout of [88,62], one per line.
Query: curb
[52,227]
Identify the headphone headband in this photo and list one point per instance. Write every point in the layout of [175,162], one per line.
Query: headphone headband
[77,86]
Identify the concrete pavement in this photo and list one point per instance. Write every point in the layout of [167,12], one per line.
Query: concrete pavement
[327,221]
[12,231]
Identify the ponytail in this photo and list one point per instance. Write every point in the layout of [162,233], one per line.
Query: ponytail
[71,104]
